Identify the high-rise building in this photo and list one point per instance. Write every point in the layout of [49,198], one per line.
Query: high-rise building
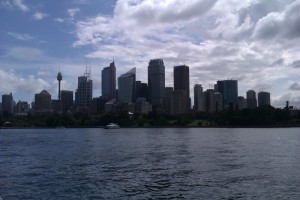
[251,99]
[109,81]
[182,82]
[42,102]
[264,98]
[242,103]
[21,108]
[84,92]
[67,100]
[126,87]
[209,101]
[179,102]
[198,98]
[7,103]
[141,89]
[229,91]
[156,83]
[168,100]
[217,102]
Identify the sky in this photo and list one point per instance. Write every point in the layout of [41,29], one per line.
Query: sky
[253,41]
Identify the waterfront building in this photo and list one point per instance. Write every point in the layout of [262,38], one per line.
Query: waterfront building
[142,106]
[251,99]
[264,98]
[141,89]
[42,102]
[242,103]
[67,100]
[217,102]
[84,92]
[229,91]
[7,103]
[168,100]
[198,98]
[156,83]
[179,102]
[21,108]
[209,100]
[126,86]
[182,82]
[109,81]
[57,106]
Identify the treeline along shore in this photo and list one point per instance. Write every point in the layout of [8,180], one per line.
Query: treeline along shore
[265,116]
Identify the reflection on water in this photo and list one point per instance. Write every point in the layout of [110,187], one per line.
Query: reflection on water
[150,164]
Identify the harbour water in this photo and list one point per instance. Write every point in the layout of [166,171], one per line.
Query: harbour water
[166,163]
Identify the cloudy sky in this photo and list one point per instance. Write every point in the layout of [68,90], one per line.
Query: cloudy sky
[253,41]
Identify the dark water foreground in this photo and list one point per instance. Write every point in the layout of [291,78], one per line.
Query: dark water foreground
[150,163]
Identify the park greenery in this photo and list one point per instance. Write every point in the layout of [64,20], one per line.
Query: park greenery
[265,116]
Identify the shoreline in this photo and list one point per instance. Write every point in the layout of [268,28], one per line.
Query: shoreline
[149,127]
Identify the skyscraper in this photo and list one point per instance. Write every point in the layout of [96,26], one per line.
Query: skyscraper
[126,87]
[251,99]
[7,103]
[264,98]
[141,89]
[182,82]
[109,81]
[67,100]
[229,91]
[84,91]
[198,98]
[156,83]
[42,102]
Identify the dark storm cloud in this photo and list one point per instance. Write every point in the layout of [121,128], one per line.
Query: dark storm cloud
[295,86]
[295,64]
[279,25]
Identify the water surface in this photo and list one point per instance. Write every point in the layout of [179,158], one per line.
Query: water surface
[158,163]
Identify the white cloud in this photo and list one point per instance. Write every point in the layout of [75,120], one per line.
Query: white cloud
[280,26]
[19,36]
[73,11]
[21,84]
[25,53]
[15,4]
[39,16]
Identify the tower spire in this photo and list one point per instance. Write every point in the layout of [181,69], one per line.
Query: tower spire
[59,78]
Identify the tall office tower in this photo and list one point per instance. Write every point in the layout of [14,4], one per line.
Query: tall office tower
[168,100]
[229,91]
[141,89]
[198,98]
[67,100]
[179,102]
[156,83]
[264,98]
[251,99]
[217,102]
[109,81]
[209,100]
[59,78]
[7,103]
[126,87]
[182,82]
[42,102]
[242,103]
[84,91]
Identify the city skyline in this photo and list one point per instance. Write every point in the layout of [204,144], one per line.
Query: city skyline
[218,40]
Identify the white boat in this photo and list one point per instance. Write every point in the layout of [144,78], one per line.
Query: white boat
[112,126]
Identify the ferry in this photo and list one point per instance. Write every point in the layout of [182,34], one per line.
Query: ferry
[112,126]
